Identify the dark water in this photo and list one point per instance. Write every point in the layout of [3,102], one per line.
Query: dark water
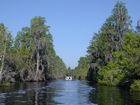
[63,92]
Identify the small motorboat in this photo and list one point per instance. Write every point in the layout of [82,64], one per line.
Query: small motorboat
[68,78]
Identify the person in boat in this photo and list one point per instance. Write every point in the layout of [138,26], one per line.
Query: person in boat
[70,78]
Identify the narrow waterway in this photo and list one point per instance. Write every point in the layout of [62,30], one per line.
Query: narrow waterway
[62,92]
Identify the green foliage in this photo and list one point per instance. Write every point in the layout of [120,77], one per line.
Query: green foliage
[107,42]
[5,45]
[114,50]
[69,71]
[32,56]
[135,86]
[80,72]
[35,44]
[59,69]
[125,66]
[110,74]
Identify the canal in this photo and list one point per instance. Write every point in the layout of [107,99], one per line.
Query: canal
[62,92]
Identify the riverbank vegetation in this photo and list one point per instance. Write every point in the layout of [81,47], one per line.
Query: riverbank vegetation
[113,56]
[114,52]
[80,72]
[31,55]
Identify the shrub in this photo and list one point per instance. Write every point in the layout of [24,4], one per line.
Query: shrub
[135,86]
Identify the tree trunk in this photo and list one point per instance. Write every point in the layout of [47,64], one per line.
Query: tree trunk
[2,64]
[38,58]
[0,75]
[37,67]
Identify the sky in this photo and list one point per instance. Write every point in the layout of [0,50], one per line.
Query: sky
[72,22]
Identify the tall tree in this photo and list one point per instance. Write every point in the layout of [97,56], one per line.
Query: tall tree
[23,53]
[35,44]
[40,34]
[109,38]
[5,44]
[124,69]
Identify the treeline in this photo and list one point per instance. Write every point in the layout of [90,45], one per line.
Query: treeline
[114,52]
[31,55]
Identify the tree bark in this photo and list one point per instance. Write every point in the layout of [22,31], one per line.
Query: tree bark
[37,67]
[2,65]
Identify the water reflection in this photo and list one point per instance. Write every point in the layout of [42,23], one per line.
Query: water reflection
[135,96]
[63,92]
[73,93]
[105,95]
[27,94]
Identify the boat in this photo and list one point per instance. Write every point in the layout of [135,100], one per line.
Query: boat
[68,78]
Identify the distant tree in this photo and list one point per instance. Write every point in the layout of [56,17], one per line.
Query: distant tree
[68,71]
[80,71]
[59,70]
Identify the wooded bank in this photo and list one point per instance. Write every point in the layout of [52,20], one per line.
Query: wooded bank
[31,55]
[113,56]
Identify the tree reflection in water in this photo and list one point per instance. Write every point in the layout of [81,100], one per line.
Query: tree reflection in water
[106,95]
[66,92]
